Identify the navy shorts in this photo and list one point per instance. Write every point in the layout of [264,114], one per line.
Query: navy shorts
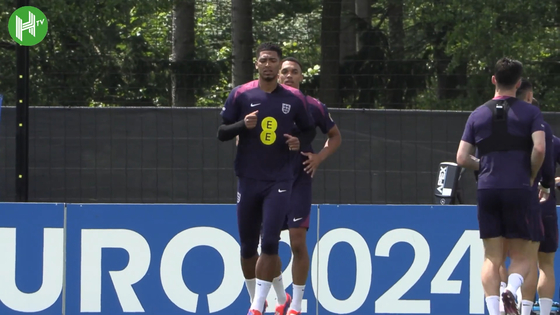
[261,204]
[300,202]
[509,213]
[549,244]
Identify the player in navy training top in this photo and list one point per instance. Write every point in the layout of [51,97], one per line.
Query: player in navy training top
[509,136]
[305,164]
[262,113]
[547,282]
[546,175]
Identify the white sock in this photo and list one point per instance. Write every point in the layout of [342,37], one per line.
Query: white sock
[526,307]
[502,289]
[250,285]
[493,305]
[545,305]
[298,297]
[278,286]
[515,281]
[261,292]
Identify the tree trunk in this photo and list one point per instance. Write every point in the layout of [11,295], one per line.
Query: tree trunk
[363,11]
[347,30]
[330,52]
[242,36]
[448,82]
[183,53]
[397,77]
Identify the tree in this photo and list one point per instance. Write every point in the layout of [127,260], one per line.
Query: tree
[242,35]
[183,53]
[330,52]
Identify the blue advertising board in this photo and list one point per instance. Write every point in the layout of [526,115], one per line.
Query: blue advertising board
[184,259]
[31,258]
[158,259]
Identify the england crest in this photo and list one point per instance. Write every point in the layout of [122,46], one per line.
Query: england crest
[286,108]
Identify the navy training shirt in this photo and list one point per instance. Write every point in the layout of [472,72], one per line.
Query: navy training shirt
[506,169]
[550,204]
[322,119]
[262,152]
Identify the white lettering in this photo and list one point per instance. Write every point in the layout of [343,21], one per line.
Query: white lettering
[319,271]
[53,264]
[93,242]
[441,283]
[172,265]
[390,302]
[441,179]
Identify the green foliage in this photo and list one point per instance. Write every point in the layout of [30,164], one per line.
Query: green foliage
[117,52]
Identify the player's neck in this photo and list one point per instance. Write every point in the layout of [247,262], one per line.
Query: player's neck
[268,86]
[510,93]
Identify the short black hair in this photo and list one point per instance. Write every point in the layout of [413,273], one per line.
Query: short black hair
[525,87]
[292,59]
[270,47]
[508,72]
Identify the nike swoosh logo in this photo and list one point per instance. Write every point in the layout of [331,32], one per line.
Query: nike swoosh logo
[281,191]
[253,105]
[295,220]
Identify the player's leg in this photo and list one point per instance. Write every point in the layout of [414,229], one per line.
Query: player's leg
[503,278]
[275,206]
[489,220]
[298,221]
[249,218]
[278,282]
[546,283]
[529,287]
[520,229]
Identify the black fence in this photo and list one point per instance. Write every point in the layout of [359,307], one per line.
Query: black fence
[171,155]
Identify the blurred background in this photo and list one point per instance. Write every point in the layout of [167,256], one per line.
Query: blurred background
[125,95]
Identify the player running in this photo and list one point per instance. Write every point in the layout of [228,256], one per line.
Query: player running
[543,209]
[262,113]
[509,136]
[306,164]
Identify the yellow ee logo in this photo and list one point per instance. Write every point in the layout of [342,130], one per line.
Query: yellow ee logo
[269,126]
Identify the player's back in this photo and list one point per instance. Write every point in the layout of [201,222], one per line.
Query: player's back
[262,152]
[507,169]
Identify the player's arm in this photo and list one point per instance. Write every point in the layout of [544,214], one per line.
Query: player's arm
[465,156]
[305,124]
[556,150]
[539,145]
[465,152]
[231,127]
[228,130]
[547,168]
[332,143]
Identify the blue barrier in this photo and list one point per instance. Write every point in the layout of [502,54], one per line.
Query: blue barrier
[31,258]
[184,259]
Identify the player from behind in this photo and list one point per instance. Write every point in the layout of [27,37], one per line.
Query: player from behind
[544,240]
[262,113]
[509,136]
[306,163]
[549,246]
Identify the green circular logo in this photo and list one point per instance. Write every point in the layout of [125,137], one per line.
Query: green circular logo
[28,26]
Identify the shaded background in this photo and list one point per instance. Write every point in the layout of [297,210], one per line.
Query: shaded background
[125,94]
[171,155]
